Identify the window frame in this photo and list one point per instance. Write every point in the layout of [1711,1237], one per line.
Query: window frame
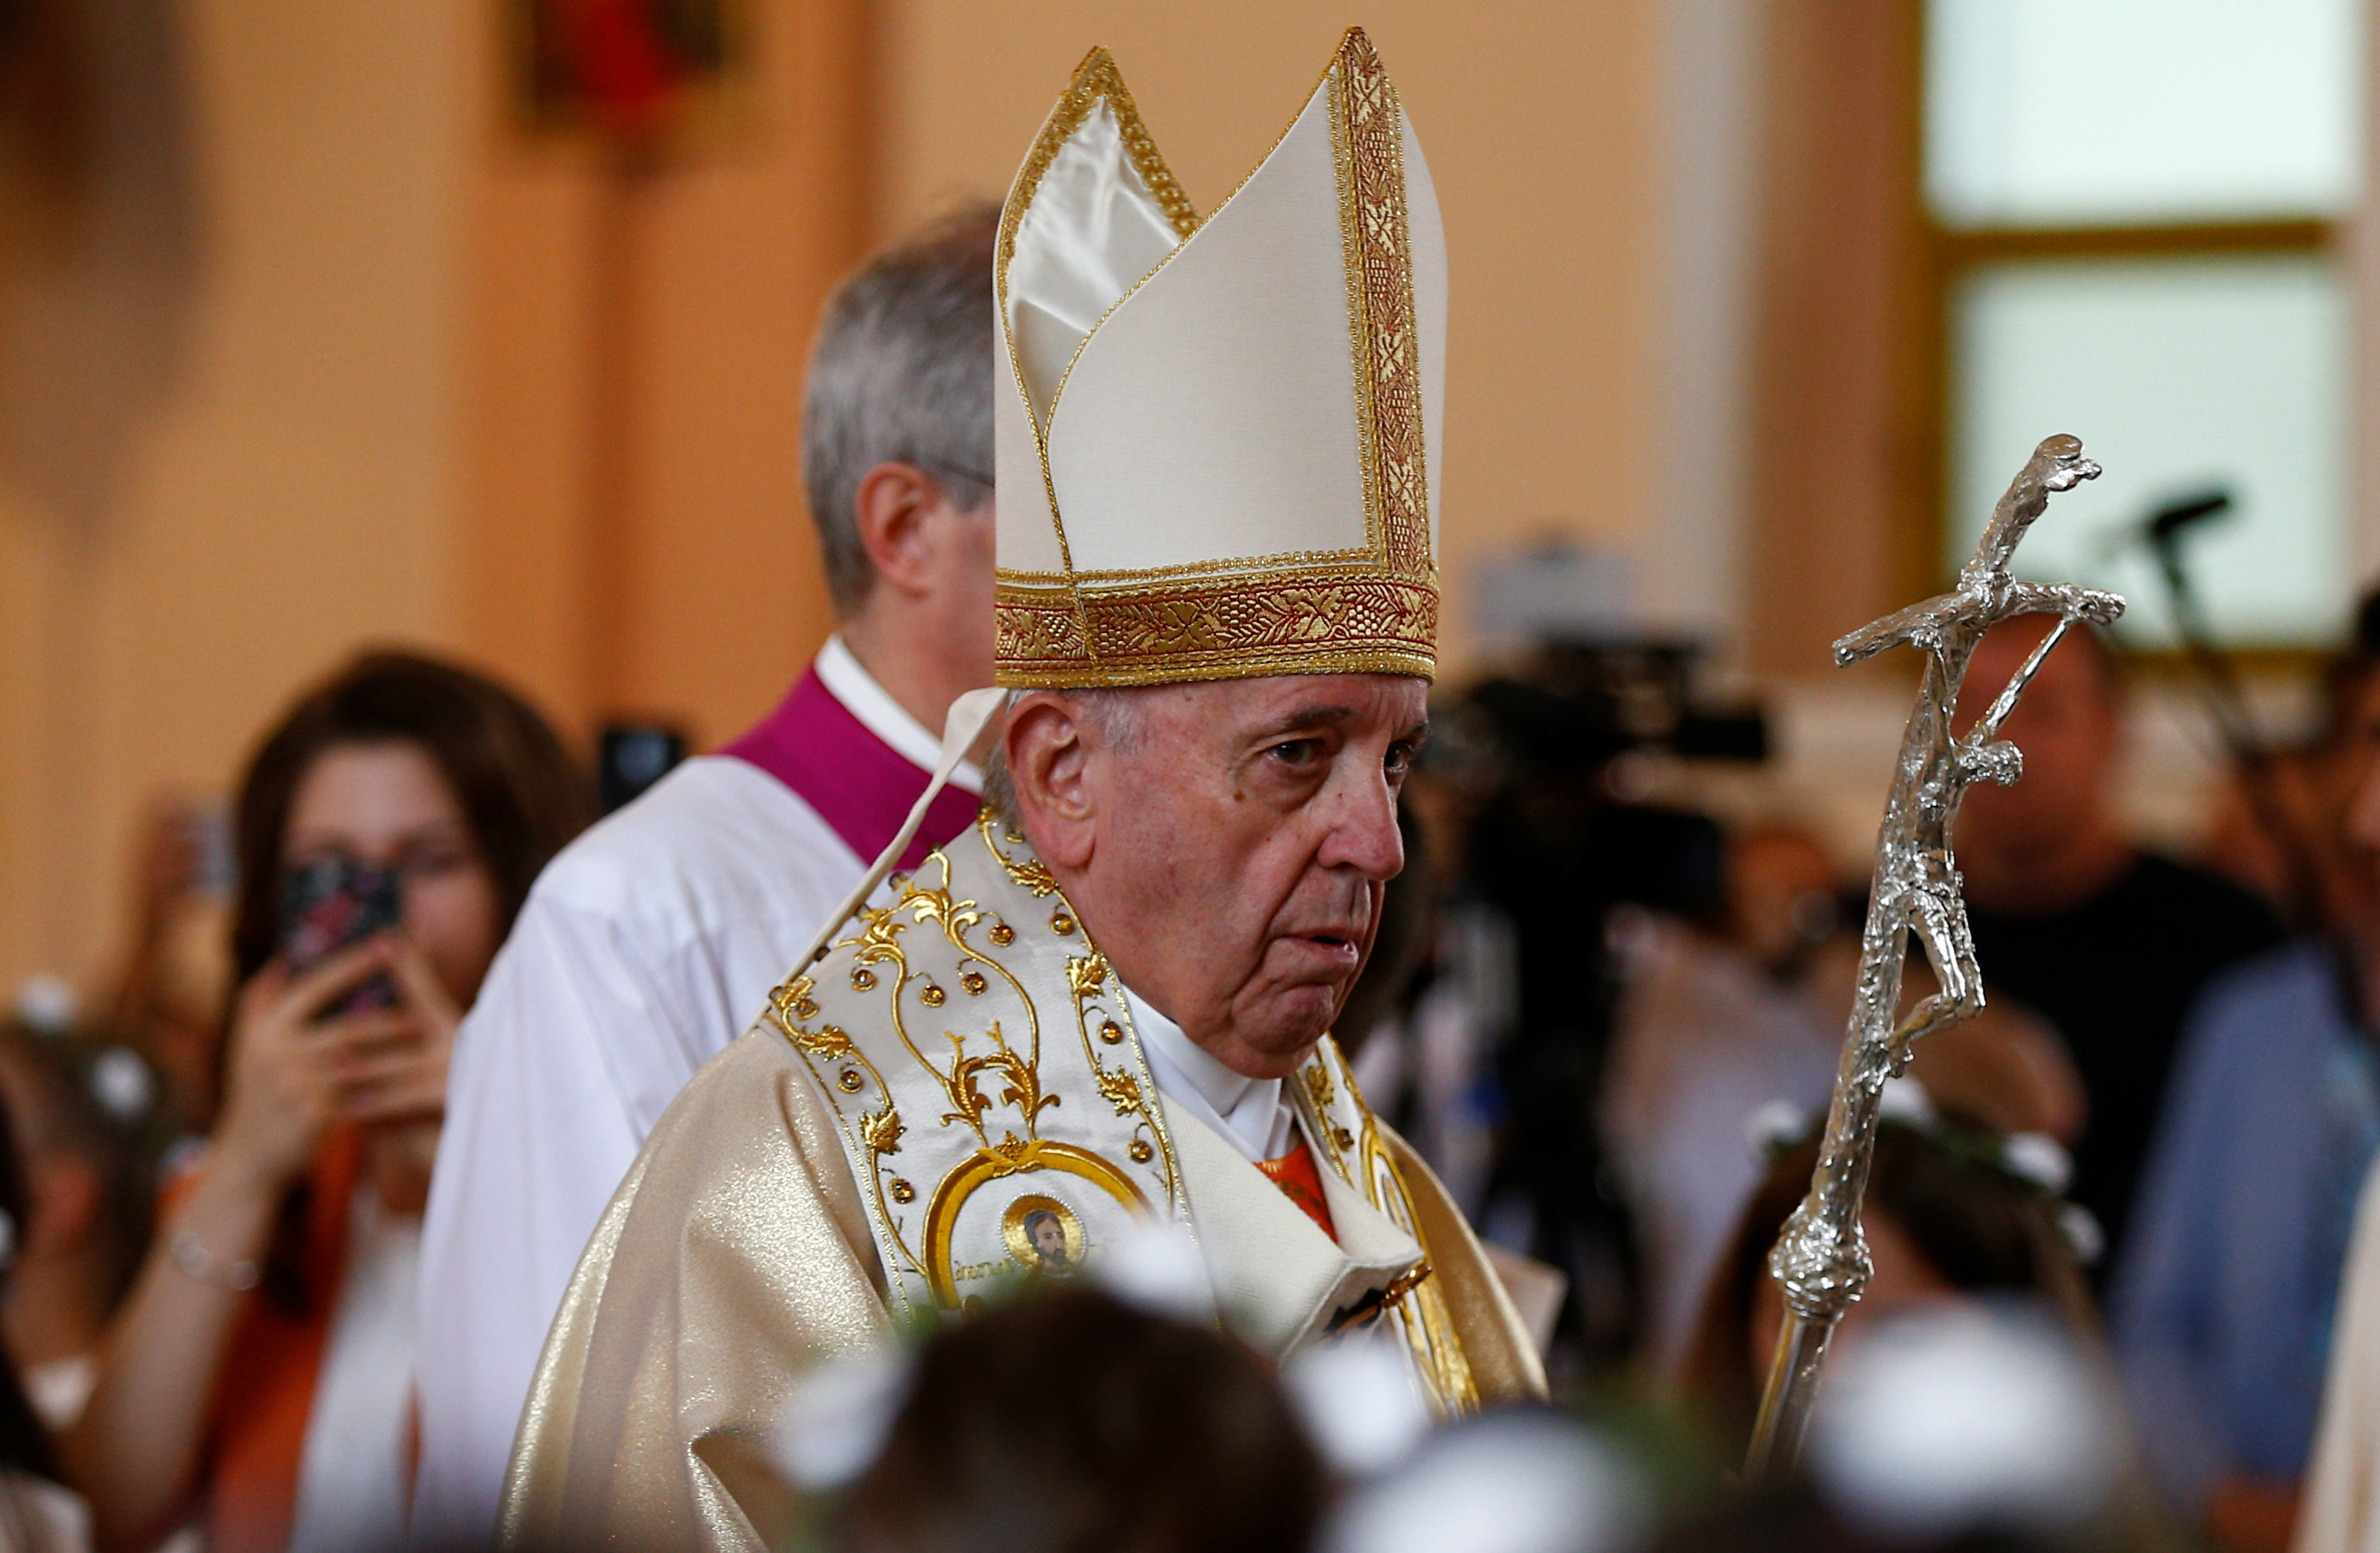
[1946,255]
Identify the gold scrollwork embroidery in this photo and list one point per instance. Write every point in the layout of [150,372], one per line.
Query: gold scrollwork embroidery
[1088,976]
[826,1043]
[795,1000]
[1320,1093]
[1428,1325]
[1032,875]
[881,1131]
[1086,973]
[989,1079]
[1023,1091]
[1120,1090]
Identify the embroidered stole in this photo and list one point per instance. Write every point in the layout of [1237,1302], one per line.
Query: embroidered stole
[998,1114]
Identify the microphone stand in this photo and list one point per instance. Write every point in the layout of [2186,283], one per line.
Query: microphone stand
[2235,723]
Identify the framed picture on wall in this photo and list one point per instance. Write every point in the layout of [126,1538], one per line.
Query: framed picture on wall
[639,71]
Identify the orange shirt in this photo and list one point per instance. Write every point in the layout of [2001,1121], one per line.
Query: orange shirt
[265,1393]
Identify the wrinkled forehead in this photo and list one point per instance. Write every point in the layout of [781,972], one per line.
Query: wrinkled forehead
[1393,704]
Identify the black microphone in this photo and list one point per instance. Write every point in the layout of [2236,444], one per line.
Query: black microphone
[2169,520]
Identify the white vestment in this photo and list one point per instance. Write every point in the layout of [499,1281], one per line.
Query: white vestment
[840,1170]
[2340,1510]
[639,955]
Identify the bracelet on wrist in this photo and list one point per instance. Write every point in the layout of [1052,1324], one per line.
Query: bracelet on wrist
[195,1261]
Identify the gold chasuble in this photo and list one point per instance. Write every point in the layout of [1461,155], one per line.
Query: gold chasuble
[953,1100]
[1217,458]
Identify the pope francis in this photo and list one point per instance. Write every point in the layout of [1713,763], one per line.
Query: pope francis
[1108,1001]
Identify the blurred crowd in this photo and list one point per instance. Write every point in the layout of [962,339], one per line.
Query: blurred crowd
[2110,1216]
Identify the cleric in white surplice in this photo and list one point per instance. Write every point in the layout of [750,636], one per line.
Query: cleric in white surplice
[647,944]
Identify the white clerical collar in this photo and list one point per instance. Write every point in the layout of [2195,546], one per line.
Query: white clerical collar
[1250,1112]
[851,684]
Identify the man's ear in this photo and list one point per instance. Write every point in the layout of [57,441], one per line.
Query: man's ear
[890,510]
[1049,745]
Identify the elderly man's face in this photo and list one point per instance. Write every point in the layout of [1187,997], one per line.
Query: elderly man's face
[1229,853]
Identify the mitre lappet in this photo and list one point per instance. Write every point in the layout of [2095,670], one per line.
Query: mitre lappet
[1218,454]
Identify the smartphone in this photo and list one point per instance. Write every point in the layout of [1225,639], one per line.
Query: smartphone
[632,757]
[333,904]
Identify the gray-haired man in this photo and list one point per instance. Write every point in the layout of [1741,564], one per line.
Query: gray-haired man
[647,944]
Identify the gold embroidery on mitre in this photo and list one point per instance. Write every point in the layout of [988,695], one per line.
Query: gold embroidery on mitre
[1095,79]
[1367,141]
[1372,609]
[1351,621]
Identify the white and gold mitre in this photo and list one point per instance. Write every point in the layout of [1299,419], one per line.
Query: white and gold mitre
[1217,441]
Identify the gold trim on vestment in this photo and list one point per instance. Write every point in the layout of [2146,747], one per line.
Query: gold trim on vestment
[956,1025]
[992,1164]
[1096,78]
[1276,561]
[981,945]
[1339,1120]
[1428,1326]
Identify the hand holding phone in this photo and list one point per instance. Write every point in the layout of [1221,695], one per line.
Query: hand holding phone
[335,903]
[400,1081]
[282,1089]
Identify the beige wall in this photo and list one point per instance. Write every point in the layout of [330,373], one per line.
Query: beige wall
[1844,434]
[1540,122]
[228,419]
[330,355]
[638,540]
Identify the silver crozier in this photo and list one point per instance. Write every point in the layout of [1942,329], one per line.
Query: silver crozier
[1821,1260]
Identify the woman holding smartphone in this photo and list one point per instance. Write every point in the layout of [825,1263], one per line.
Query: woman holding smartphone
[260,1376]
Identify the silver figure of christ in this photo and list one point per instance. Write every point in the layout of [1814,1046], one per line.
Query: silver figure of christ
[1821,1262]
